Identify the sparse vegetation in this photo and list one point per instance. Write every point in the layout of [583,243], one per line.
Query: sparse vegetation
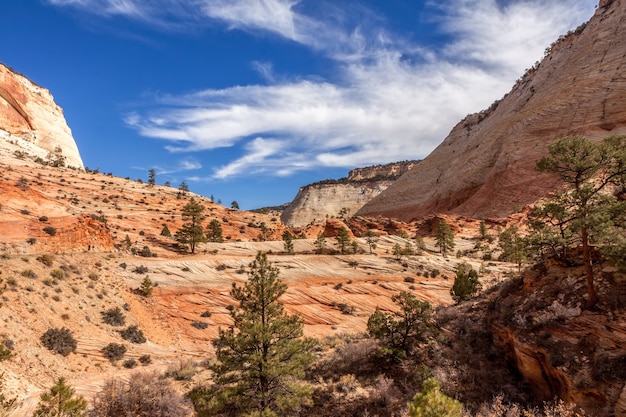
[144,395]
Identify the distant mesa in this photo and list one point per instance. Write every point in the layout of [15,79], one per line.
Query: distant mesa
[31,122]
[343,197]
[486,165]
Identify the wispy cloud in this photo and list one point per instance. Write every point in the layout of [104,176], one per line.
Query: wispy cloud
[391,100]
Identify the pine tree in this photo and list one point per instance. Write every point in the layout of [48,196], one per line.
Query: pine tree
[411,322]
[166,231]
[431,402]
[191,233]
[343,239]
[151,177]
[466,283]
[371,239]
[320,243]
[444,238]
[214,231]
[592,212]
[261,357]
[288,241]
[61,402]
[514,246]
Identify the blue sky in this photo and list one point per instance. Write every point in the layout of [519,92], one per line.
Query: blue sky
[248,100]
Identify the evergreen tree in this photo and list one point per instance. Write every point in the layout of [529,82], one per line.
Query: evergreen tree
[288,241]
[214,231]
[261,357]
[594,173]
[320,243]
[146,287]
[397,251]
[183,188]
[431,402]
[343,239]
[191,232]
[61,402]
[127,242]
[466,283]
[444,238]
[371,239]
[514,246]
[234,205]
[151,177]
[420,244]
[166,231]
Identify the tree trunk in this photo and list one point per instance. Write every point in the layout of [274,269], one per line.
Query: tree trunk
[591,291]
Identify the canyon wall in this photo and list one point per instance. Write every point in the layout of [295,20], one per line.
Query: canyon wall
[486,165]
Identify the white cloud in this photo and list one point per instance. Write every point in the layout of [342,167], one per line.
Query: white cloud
[392,100]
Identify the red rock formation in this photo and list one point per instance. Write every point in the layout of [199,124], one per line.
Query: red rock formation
[486,165]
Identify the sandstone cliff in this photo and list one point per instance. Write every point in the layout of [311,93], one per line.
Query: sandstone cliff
[486,165]
[31,122]
[315,202]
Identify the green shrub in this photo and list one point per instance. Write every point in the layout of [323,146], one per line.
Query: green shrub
[29,273]
[57,274]
[60,341]
[199,325]
[146,287]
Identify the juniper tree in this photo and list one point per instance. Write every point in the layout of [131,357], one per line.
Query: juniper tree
[261,358]
[466,283]
[411,322]
[595,173]
[151,177]
[191,233]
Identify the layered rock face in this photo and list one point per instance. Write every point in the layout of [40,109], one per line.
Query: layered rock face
[486,165]
[315,202]
[30,119]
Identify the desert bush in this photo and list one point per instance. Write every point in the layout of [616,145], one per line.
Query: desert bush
[410,280]
[114,351]
[5,353]
[114,317]
[60,341]
[50,230]
[346,308]
[29,273]
[199,325]
[130,363]
[145,359]
[144,395]
[93,276]
[184,371]
[206,313]
[57,274]
[140,269]
[47,260]
[133,334]
[43,219]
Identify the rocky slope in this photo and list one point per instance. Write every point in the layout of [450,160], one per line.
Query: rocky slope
[316,202]
[486,165]
[31,122]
